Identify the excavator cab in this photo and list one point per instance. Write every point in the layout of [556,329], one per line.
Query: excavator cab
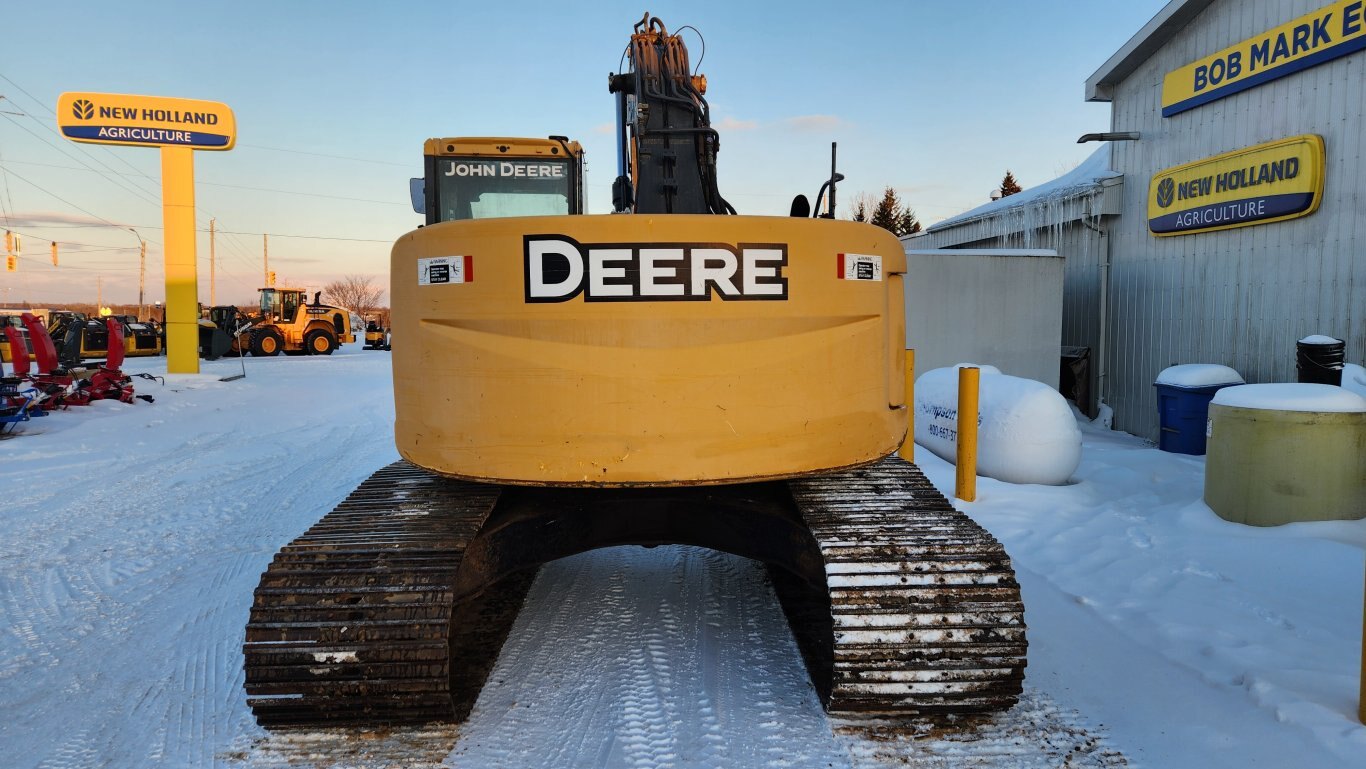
[485,178]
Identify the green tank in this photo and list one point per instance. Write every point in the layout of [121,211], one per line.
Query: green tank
[1269,466]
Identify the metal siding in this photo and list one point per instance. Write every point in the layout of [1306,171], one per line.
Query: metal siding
[1082,250]
[1238,297]
[997,306]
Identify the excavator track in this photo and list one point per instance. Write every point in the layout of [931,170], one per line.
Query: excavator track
[351,623]
[899,603]
[924,612]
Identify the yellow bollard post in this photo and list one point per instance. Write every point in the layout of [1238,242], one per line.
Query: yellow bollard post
[182,286]
[908,446]
[965,487]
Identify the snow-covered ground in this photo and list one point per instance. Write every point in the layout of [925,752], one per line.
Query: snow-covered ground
[132,537]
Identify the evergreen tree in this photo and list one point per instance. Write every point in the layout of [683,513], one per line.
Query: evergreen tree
[1008,185]
[888,211]
[907,223]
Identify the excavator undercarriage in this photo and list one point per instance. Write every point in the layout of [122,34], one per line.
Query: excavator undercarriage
[392,609]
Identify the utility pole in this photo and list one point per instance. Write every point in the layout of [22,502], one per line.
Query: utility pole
[99,293]
[213,301]
[142,273]
[265,252]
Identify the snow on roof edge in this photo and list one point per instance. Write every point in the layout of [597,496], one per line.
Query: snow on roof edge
[1087,175]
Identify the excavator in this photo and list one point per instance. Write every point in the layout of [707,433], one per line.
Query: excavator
[670,373]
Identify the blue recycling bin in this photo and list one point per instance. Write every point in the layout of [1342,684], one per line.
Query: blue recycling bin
[1183,396]
[1182,413]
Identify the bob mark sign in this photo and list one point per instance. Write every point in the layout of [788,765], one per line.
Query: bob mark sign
[142,121]
[1266,183]
[1326,34]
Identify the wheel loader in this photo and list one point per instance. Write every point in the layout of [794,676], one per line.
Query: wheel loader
[286,322]
[670,373]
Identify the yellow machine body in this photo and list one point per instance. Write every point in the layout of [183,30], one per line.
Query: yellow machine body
[289,323]
[12,320]
[501,147]
[691,349]
[481,177]
[139,339]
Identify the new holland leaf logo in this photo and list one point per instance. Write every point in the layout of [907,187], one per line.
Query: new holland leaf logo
[1165,190]
[83,109]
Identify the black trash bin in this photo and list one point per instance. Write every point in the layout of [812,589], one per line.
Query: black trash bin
[1074,376]
[1318,360]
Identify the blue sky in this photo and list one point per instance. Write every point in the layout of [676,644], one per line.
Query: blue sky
[333,101]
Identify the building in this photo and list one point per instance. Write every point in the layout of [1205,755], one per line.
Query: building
[1219,221]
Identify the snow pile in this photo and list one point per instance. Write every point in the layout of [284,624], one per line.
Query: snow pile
[1025,429]
[1354,378]
[1320,339]
[1198,375]
[1291,396]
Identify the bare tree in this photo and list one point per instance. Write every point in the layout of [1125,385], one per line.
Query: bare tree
[357,293]
[862,206]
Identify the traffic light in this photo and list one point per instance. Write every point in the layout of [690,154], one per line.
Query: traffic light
[11,263]
[54,253]
[271,279]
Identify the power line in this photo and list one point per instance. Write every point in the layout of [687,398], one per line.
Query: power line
[221,231]
[311,237]
[220,184]
[139,192]
[309,194]
[69,203]
[324,155]
[40,263]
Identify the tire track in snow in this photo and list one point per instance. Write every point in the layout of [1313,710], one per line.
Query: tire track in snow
[1035,734]
[633,657]
[152,623]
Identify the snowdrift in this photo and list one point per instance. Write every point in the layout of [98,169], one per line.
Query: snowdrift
[1025,430]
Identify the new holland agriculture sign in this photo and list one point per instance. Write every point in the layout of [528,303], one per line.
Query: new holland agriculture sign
[1332,31]
[142,121]
[1266,183]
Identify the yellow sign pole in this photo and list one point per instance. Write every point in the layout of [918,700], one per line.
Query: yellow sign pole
[965,487]
[182,284]
[908,446]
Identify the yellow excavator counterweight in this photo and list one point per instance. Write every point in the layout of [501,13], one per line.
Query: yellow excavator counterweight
[648,350]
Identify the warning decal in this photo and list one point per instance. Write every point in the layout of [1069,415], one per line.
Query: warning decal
[860,267]
[436,270]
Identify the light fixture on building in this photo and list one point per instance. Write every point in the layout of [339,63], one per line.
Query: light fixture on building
[1109,136]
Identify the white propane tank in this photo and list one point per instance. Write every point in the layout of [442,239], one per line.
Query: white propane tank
[1025,430]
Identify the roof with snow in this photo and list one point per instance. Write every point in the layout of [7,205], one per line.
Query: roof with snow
[1063,199]
[1155,34]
